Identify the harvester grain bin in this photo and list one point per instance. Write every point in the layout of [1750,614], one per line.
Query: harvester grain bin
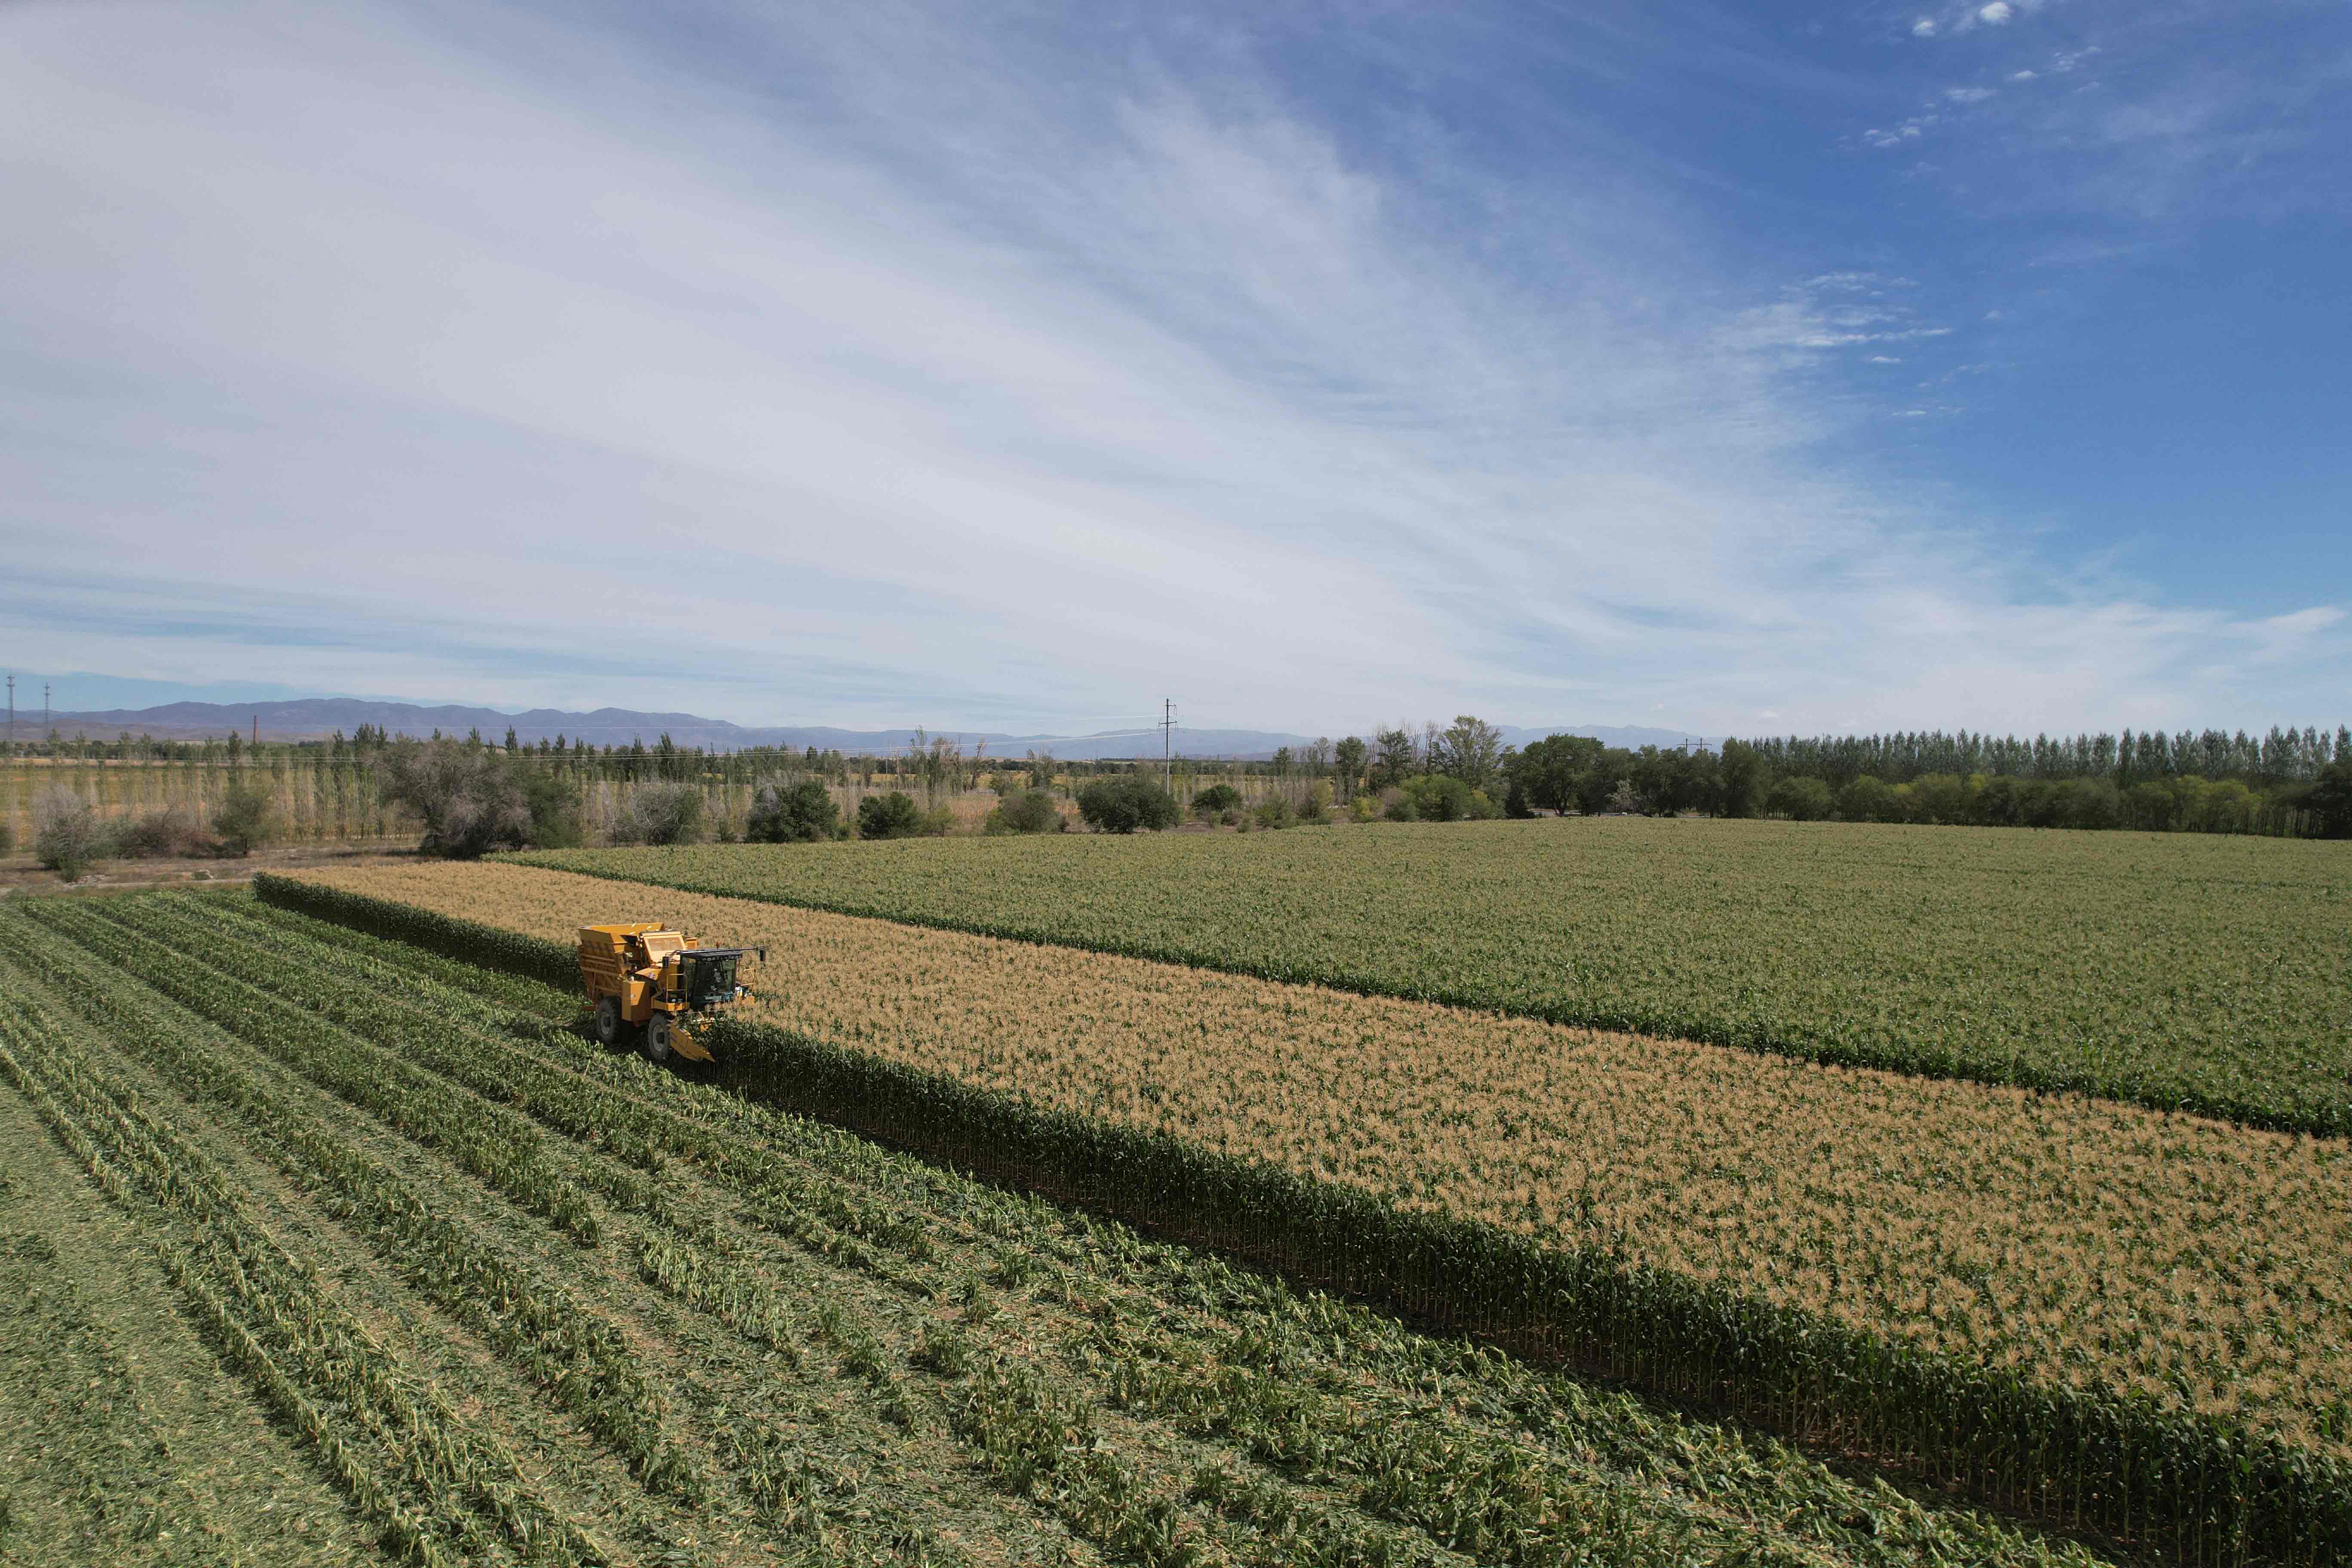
[659,986]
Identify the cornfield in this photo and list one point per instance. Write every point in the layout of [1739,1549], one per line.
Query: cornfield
[671,1325]
[2174,1265]
[2182,971]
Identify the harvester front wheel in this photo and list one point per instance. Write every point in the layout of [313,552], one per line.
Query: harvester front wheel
[658,1039]
[608,1020]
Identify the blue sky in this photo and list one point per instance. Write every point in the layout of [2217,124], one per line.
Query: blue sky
[1735,368]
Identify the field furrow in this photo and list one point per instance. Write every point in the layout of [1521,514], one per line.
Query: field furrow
[581,1361]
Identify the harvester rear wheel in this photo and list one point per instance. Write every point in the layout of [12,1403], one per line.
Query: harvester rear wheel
[658,1039]
[608,1020]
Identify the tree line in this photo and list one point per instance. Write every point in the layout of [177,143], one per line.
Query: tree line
[2289,782]
[2283,756]
[473,795]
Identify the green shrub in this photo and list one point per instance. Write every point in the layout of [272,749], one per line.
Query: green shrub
[1940,797]
[66,835]
[1801,800]
[172,834]
[1124,803]
[469,796]
[552,799]
[1029,811]
[245,818]
[1438,797]
[894,814]
[2329,801]
[1274,811]
[1869,799]
[1216,800]
[661,813]
[803,813]
[2089,802]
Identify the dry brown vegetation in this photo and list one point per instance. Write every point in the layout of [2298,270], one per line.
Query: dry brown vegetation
[2085,1240]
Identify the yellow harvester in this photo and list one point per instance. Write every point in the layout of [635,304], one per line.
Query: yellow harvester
[649,978]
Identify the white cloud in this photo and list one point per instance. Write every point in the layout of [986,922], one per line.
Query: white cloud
[1970,94]
[1925,28]
[956,382]
[1995,14]
[1909,130]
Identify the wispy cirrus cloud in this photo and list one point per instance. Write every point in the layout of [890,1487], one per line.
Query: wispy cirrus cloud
[2143,113]
[901,362]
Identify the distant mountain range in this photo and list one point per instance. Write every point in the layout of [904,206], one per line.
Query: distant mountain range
[314,718]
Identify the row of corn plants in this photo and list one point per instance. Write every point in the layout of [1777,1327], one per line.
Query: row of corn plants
[2072,1240]
[578,1356]
[778,1194]
[438,1491]
[1472,1449]
[417,1026]
[1038,1425]
[1131,1508]
[2183,974]
[428,1023]
[2189,1485]
[470,987]
[495,1146]
[2195,1487]
[1122,1309]
[737,1298]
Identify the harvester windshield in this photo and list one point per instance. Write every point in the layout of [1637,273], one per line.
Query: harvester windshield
[709,976]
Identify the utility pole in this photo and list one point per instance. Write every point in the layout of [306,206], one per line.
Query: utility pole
[12,715]
[45,710]
[1168,745]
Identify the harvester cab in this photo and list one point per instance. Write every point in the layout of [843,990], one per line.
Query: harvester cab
[659,986]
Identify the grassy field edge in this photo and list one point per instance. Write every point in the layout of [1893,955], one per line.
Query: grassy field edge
[2195,1487]
[2321,1118]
